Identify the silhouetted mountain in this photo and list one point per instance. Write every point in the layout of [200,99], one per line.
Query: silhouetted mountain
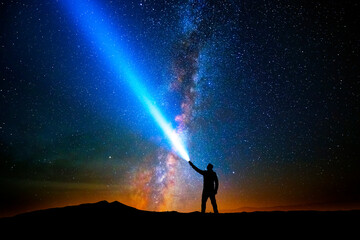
[118,218]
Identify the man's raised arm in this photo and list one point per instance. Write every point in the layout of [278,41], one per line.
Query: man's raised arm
[196,169]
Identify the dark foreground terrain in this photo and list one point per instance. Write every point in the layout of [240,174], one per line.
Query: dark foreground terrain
[117,218]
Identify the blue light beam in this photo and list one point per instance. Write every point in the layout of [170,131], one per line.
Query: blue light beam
[88,18]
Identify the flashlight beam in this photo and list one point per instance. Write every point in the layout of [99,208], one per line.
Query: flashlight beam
[87,16]
[170,133]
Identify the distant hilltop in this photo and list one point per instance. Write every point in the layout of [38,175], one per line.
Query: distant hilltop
[115,216]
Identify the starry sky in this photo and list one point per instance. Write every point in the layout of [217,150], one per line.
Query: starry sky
[266,91]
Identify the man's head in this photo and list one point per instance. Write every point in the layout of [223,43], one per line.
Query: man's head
[209,167]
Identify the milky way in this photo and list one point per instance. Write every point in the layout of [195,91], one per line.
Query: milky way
[167,182]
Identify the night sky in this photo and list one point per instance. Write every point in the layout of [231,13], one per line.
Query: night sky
[266,91]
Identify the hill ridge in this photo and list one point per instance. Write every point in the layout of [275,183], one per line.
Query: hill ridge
[116,215]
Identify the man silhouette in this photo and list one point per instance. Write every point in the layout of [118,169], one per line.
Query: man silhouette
[210,187]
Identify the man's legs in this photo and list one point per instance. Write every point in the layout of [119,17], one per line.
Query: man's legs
[213,202]
[203,202]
